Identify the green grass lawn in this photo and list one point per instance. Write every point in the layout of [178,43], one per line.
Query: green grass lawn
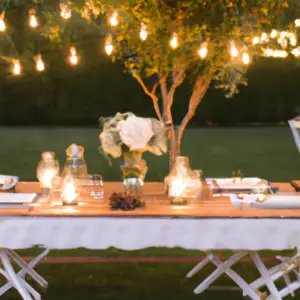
[263,152]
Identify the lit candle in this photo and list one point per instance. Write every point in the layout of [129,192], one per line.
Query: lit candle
[47,177]
[69,193]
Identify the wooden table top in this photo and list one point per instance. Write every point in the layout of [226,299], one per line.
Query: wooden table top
[157,205]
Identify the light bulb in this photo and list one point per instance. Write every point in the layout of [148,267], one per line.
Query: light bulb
[264,37]
[255,40]
[73,58]
[16,67]
[297,22]
[39,64]
[143,32]
[246,58]
[114,19]
[203,51]
[109,49]
[273,34]
[293,40]
[109,45]
[234,52]
[65,12]
[174,41]
[33,22]
[296,52]
[2,23]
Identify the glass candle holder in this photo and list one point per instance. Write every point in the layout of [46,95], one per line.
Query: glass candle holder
[75,164]
[183,183]
[47,170]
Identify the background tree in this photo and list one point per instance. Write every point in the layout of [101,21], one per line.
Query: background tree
[165,43]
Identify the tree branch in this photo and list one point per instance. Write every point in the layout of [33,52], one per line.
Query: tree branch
[151,94]
[178,78]
[200,89]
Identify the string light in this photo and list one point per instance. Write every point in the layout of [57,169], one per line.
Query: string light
[174,41]
[143,32]
[39,64]
[2,23]
[293,40]
[33,22]
[275,53]
[273,34]
[246,58]
[114,19]
[264,37]
[255,40]
[16,67]
[203,51]
[296,52]
[65,12]
[108,45]
[73,57]
[234,52]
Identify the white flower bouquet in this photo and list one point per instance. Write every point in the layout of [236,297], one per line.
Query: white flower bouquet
[130,136]
[127,132]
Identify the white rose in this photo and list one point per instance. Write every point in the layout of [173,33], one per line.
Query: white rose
[135,132]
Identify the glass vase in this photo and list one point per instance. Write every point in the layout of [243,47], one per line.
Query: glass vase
[134,171]
[47,170]
[75,164]
[183,183]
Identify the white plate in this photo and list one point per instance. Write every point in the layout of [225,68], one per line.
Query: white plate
[16,198]
[276,201]
[4,178]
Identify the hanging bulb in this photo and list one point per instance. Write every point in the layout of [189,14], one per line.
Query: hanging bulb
[293,40]
[39,64]
[174,41]
[16,67]
[234,52]
[2,23]
[114,19]
[264,37]
[273,34]
[203,51]
[108,45]
[73,57]
[33,22]
[297,22]
[255,40]
[65,12]
[246,58]
[143,32]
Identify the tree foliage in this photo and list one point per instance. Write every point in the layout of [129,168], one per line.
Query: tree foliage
[216,25]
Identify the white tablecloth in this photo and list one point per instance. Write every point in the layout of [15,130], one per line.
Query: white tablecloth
[138,233]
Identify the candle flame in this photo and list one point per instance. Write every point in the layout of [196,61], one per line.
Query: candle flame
[69,192]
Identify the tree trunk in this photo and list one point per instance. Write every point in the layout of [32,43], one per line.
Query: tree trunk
[198,94]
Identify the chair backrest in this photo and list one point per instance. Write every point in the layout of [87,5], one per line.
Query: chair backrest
[295,127]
